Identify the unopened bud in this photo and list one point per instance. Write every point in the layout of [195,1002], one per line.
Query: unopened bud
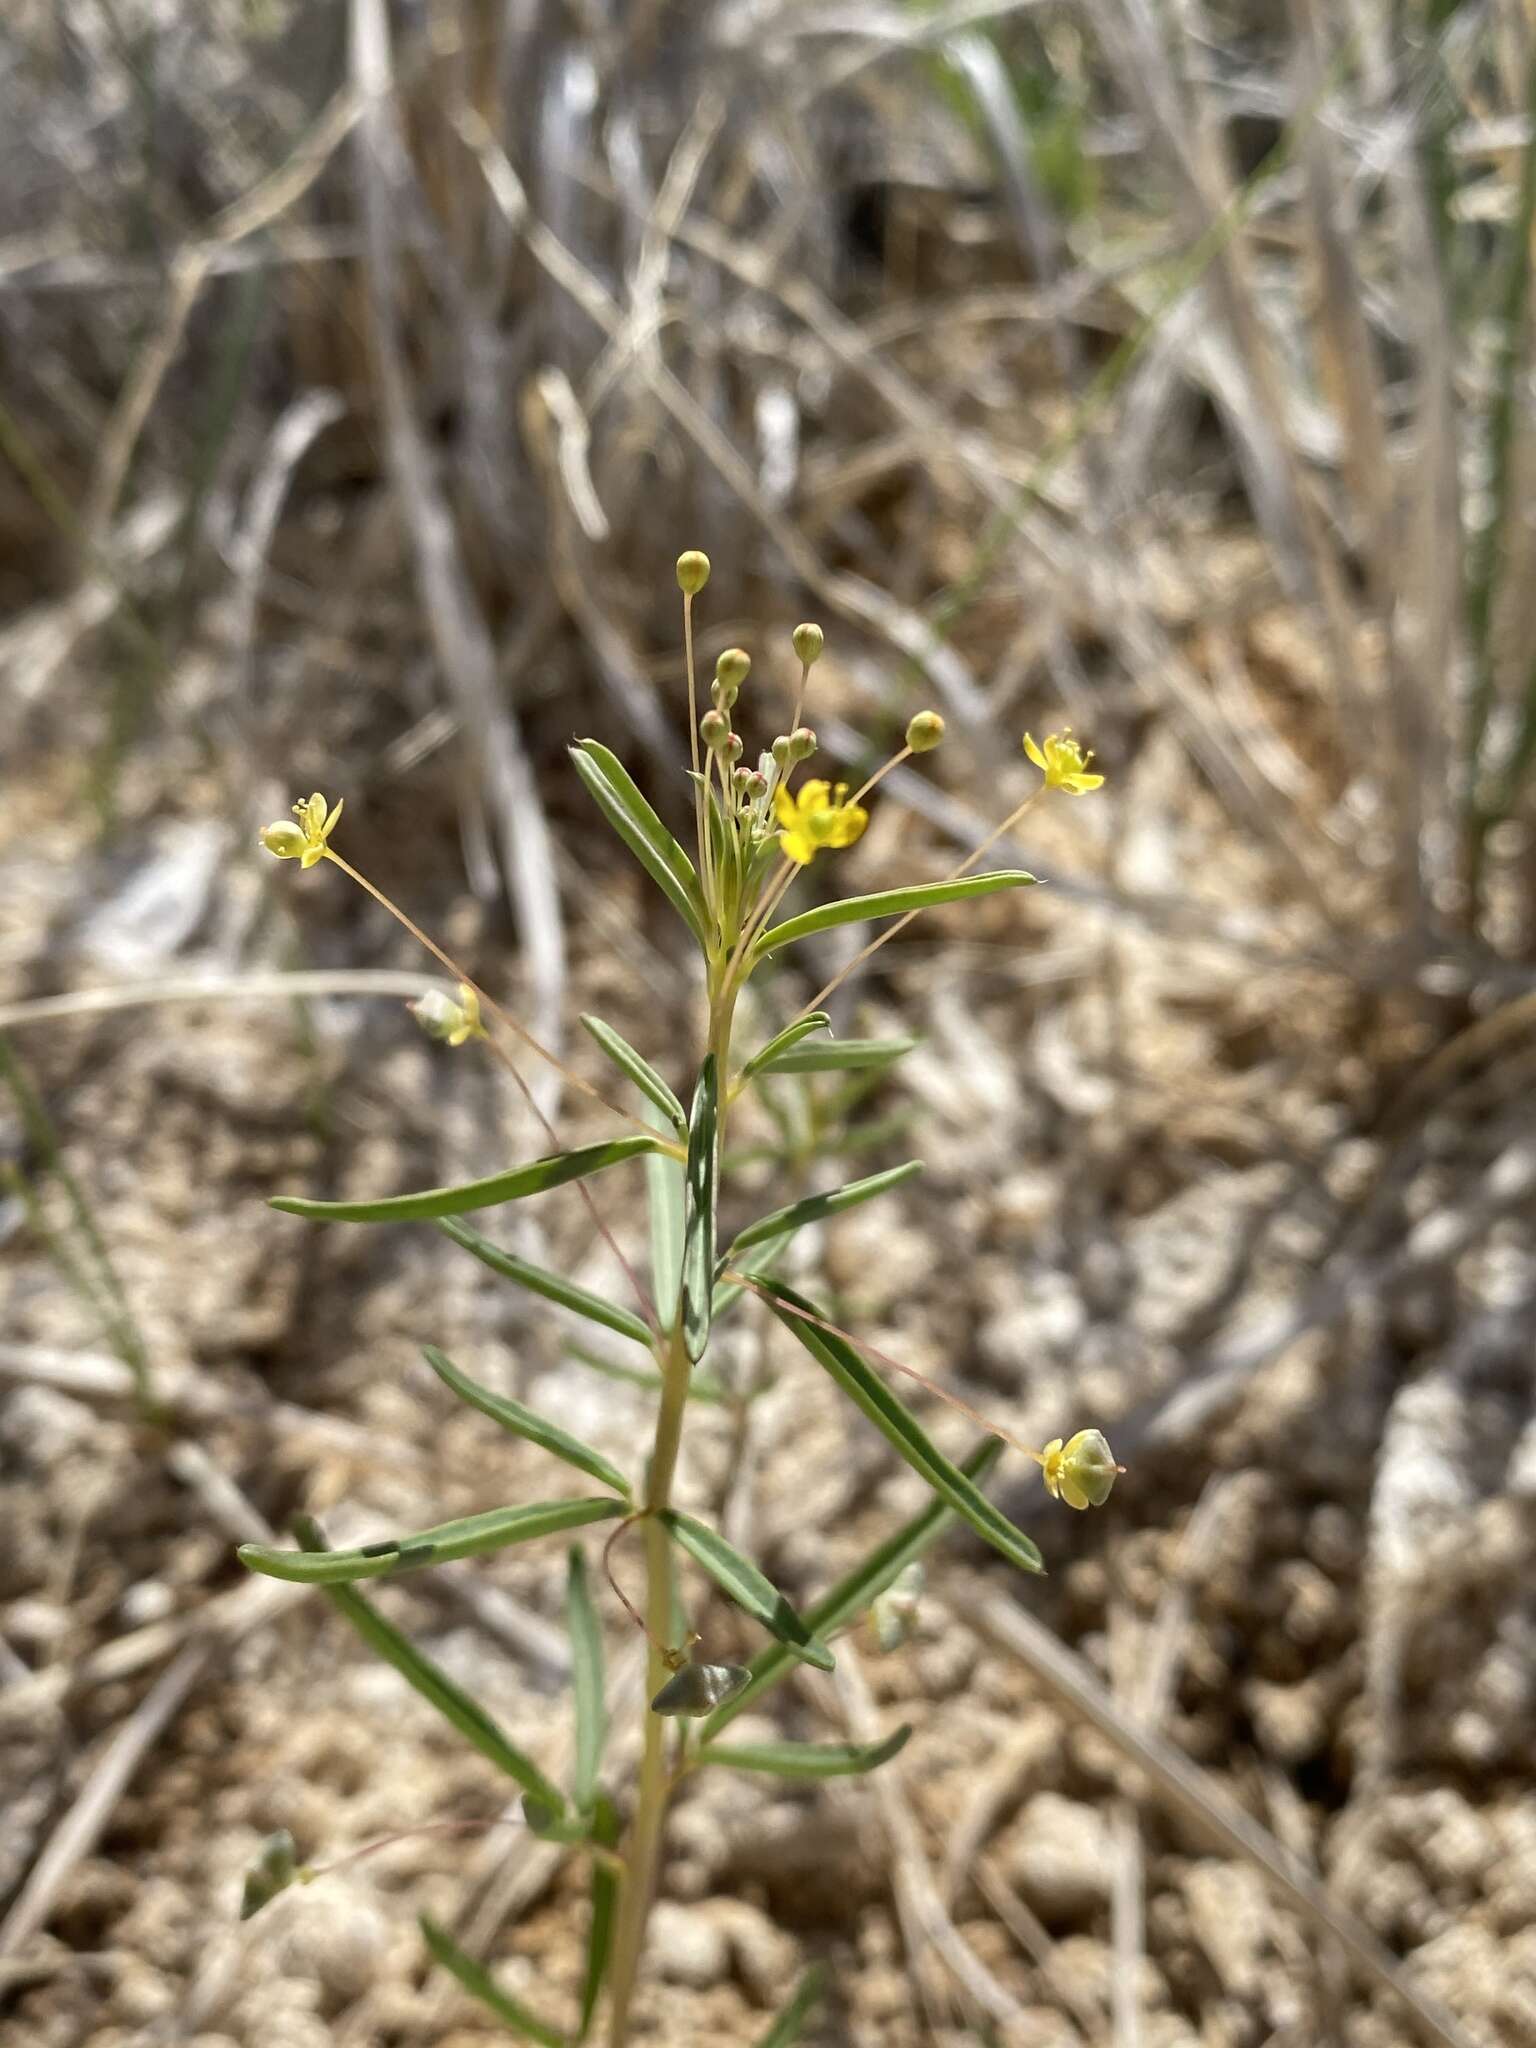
[733,667]
[924,732]
[781,751]
[692,572]
[723,695]
[740,777]
[756,785]
[809,640]
[733,748]
[802,743]
[714,730]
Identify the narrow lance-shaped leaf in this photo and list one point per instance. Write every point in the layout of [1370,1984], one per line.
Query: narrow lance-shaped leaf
[609,784]
[767,1058]
[746,1585]
[665,1185]
[479,1983]
[699,1240]
[638,1070]
[785,2030]
[511,1186]
[855,1590]
[778,1222]
[523,1422]
[886,903]
[806,1759]
[435,1686]
[901,1428]
[591,1711]
[470,1536]
[844,1055]
[605,1898]
[552,1286]
[729,1292]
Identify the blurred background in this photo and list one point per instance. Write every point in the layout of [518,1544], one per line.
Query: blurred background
[1157,367]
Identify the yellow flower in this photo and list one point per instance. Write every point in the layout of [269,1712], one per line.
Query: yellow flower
[305,841]
[1063,763]
[453,1023]
[816,816]
[1082,1472]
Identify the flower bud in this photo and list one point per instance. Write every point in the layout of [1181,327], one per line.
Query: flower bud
[781,751]
[692,572]
[740,777]
[808,641]
[714,730]
[733,747]
[284,838]
[733,668]
[925,732]
[1082,1471]
[723,695]
[802,743]
[755,787]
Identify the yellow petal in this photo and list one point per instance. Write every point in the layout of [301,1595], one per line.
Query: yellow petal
[797,846]
[1035,754]
[848,824]
[330,824]
[813,796]
[784,807]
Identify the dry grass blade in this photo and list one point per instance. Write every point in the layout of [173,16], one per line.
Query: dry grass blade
[1194,1795]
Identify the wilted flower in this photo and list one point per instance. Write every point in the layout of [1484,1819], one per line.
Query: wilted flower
[1082,1471]
[305,841]
[454,1023]
[815,816]
[1063,763]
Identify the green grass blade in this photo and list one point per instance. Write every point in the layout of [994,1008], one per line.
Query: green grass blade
[785,2030]
[434,1685]
[806,1759]
[523,1422]
[609,785]
[768,1058]
[854,1592]
[779,1222]
[469,1536]
[886,903]
[699,1238]
[605,1899]
[839,1055]
[553,1286]
[431,1203]
[479,1983]
[638,1070]
[901,1429]
[746,1585]
[586,1633]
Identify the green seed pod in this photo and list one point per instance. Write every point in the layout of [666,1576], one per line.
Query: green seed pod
[809,640]
[733,668]
[285,839]
[1082,1471]
[692,572]
[925,732]
[714,730]
[698,1689]
[802,743]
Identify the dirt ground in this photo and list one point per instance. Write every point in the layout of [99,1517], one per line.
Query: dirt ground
[1149,1205]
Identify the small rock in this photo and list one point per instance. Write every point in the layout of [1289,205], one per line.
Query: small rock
[686,1947]
[1060,1857]
[764,1958]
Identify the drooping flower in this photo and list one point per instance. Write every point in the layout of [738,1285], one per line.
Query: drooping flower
[305,841]
[453,1023]
[816,815]
[1063,763]
[1082,1471]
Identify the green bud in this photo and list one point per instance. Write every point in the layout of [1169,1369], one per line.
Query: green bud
[781,751]
[714,730]
[733,667]
[733,747]
[755,787]
[808,640]
[802,743]
[924,732]
[724,695]
[692,572]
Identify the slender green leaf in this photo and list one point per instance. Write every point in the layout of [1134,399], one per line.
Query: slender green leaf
[854,1592]
[738,1576]
[621,803]
[640,1071]
[779,1222]
[572,1830]
[886,903]
[699,1239]
[839,1055]
[901,1429]
[665,1189]
[431,1203]
[435,1686]
[586,1633]
[479,1983]
[729,1292]
[470,1536]
[806,1759]
[785,2030]
[523,1422]
[605,1899]
[768,1057]
[552,1286]
[701,1386]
